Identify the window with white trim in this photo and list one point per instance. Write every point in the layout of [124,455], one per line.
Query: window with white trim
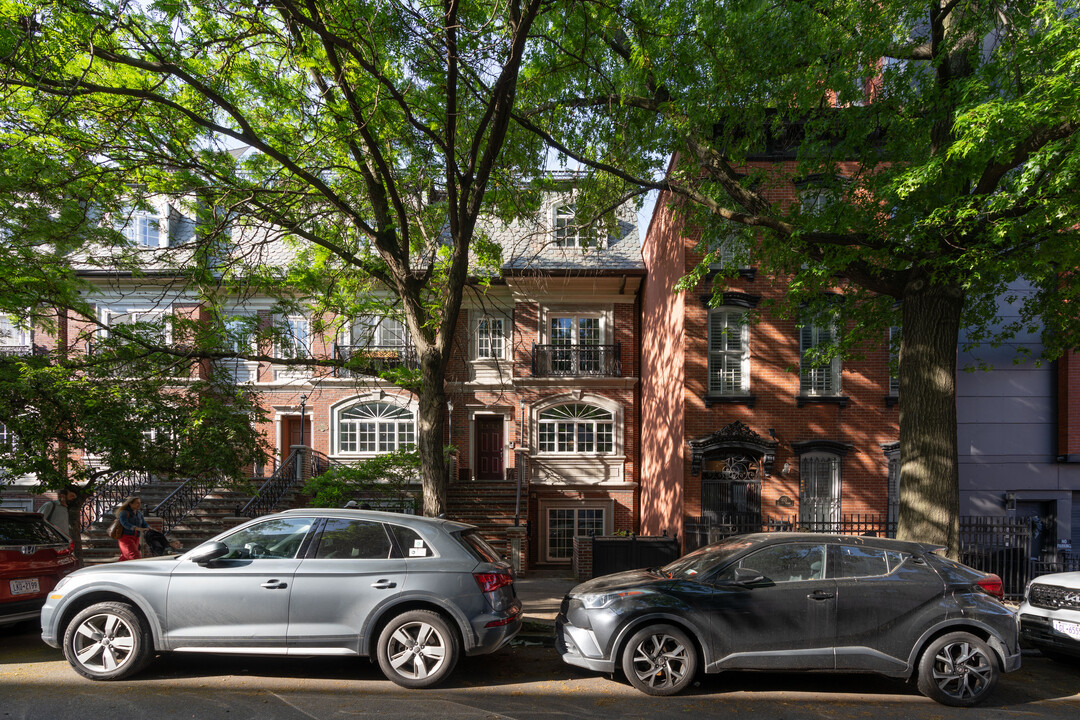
[576,428]
[567,231]
[12,334]
[819,491]
[239,335]
[566,523]
[143,229]
[817,380]
[295,338]
[581,336]
[732,253]
[490,341]
[378,332]
[375,427]
[729,352]
[150,323]
[7,438]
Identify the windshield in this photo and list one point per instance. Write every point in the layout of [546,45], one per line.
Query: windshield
[704,559]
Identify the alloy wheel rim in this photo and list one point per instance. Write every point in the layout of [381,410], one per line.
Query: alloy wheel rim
[660,661]
[416,650]
[104,642]
[962,670]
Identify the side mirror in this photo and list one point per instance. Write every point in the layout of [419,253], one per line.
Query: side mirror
[747,576]
[206,554]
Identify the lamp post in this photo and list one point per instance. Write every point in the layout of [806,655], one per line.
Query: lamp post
[302,457]
[303,404]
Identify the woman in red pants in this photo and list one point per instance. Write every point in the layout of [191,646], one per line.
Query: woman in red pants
[133,523]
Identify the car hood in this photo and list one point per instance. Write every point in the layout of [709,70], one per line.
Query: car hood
[619,581]
[144,565]
[1067,579]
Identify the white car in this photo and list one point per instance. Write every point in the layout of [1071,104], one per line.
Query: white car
[1050,615]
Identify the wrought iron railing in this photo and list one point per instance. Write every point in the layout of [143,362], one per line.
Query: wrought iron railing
[183,500]
[300,465]
[110,493]
[707,529]
[370,359]
[142,363]
[576,360]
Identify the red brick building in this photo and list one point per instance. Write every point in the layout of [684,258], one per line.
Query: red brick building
[739,432]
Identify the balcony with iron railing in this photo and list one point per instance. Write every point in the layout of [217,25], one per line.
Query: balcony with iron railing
[22,350]
[371,359]
[577,360]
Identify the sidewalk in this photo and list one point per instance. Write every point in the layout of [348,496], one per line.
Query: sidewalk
[541,597]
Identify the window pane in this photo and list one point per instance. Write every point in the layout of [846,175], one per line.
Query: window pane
[561,533]
[586,436]
[347,437]
[547,437]
[410,542]
[862,562]
[788,562]
[353,540]
[279,538]
[367,436]
[566,437]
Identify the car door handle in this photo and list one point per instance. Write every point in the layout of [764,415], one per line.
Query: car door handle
[275,585]
[383,585]
[821,595]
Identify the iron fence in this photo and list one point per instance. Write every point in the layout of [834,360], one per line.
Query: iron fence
[707,530]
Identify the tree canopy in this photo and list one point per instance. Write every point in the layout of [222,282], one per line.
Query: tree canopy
[940,138]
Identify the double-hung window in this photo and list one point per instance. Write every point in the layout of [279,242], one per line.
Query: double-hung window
[817,380]
[489,338]
[375,427]
[295,338]
[143,229]
[729,352]
[567,232]
[576,428]
[14,339]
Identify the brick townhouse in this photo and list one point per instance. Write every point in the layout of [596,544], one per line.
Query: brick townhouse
[542,385]
[738,432]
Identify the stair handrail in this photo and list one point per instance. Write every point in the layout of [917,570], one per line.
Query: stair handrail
[270,492]
[109,494]
[182,501]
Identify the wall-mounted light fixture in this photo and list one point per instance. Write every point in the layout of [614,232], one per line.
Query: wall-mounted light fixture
[1009,500]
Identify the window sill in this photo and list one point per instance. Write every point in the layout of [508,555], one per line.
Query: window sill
[747,400]
[841,400]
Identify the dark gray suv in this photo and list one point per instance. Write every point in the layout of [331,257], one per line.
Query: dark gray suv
[795,601]
[415,593]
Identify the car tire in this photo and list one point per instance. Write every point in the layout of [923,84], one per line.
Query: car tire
[660,660]
[958,669]
[418,649]
[108,641]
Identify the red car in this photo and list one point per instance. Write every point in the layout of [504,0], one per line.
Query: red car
[33,557]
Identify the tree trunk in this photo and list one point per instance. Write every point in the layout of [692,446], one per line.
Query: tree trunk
[431,422]
[929,465]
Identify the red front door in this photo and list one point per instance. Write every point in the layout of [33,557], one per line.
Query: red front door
[489,448]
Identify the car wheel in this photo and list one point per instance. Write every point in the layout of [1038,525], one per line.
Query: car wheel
[660,660]
[107,641]
[417,649]
[958,669]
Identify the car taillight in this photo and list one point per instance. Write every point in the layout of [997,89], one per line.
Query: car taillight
[490,582]
[991,585]
[68,550]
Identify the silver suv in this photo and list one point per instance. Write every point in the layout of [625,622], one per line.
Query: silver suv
[415,593]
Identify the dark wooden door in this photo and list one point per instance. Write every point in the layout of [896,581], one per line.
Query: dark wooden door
[290,434]
[489,448]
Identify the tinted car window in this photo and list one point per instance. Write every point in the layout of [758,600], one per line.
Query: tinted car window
[410,542]
[278,538]
[863,562]
[789,562]
[28,531]
[478,546]
[701,561]
[353,540]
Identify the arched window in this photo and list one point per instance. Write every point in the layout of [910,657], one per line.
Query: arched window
[576,428]
[375,427]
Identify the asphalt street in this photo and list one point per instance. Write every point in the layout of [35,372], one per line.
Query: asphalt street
[523,681]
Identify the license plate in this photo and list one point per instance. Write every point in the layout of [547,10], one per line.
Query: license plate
[24,587]
[1068,628]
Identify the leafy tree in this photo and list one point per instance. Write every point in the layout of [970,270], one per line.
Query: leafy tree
[203,428]
[367,137]
[943,133]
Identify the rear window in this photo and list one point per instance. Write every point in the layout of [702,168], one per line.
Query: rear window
[28,531]
[479,547]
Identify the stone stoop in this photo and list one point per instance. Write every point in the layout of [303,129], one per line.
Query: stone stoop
[488,506]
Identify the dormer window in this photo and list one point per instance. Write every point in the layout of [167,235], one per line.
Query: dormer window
[143,229]
[567,232]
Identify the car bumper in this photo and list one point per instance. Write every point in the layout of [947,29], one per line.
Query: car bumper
[1037,631]
[578,646]
[490,639]
[13,612]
